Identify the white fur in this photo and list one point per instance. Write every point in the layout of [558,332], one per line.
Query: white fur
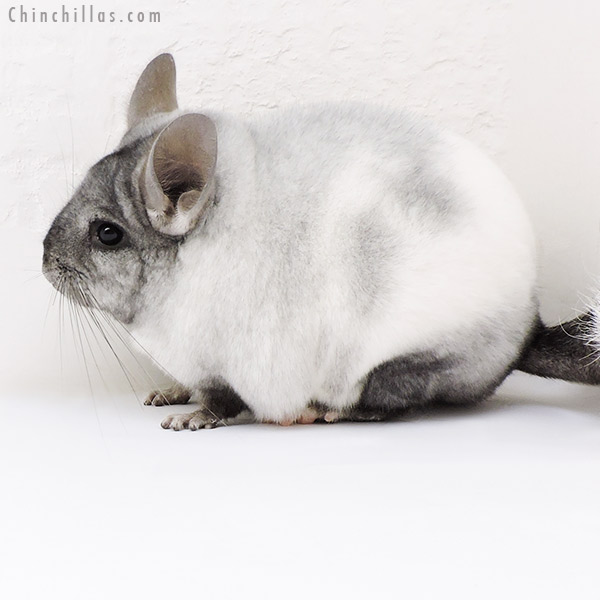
[285,294]
[591,335]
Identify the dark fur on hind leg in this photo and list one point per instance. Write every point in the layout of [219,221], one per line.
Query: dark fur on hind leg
[406,385]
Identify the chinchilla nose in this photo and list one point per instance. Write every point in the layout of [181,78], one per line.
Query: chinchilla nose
[47,258]
[50,260]
[48,265]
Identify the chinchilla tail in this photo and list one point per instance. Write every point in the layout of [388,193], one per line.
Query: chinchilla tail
[569,351]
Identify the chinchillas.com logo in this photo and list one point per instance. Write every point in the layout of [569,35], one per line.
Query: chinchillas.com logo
[86,13]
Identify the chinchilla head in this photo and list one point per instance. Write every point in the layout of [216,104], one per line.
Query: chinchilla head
[135,206]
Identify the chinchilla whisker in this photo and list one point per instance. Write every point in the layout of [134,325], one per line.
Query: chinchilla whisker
[94,331]
[117,331]
[114,324]
[126,372]
[73,323]
[122,333]
[123,341]
[61,325]
[74,313]
[149,380]
[50,303]
[75,309]
[84,315]
[82,319]
[30,279]
[55,295]
[91,315]
[117,328]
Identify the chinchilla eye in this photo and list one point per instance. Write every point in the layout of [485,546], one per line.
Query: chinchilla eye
[109,234]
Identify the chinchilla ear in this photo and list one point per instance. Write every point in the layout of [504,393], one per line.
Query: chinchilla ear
[178,179]
[155,91]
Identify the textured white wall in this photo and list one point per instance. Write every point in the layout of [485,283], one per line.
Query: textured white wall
[519,77]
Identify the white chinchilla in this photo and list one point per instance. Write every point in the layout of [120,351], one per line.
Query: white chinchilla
[334,262]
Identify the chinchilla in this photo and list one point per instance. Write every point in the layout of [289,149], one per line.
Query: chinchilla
[331,262]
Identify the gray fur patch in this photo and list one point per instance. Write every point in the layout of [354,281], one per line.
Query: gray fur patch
[374,252]
[110,278]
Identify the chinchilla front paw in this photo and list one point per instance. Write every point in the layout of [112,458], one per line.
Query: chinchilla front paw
[173,395]
[204,419]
